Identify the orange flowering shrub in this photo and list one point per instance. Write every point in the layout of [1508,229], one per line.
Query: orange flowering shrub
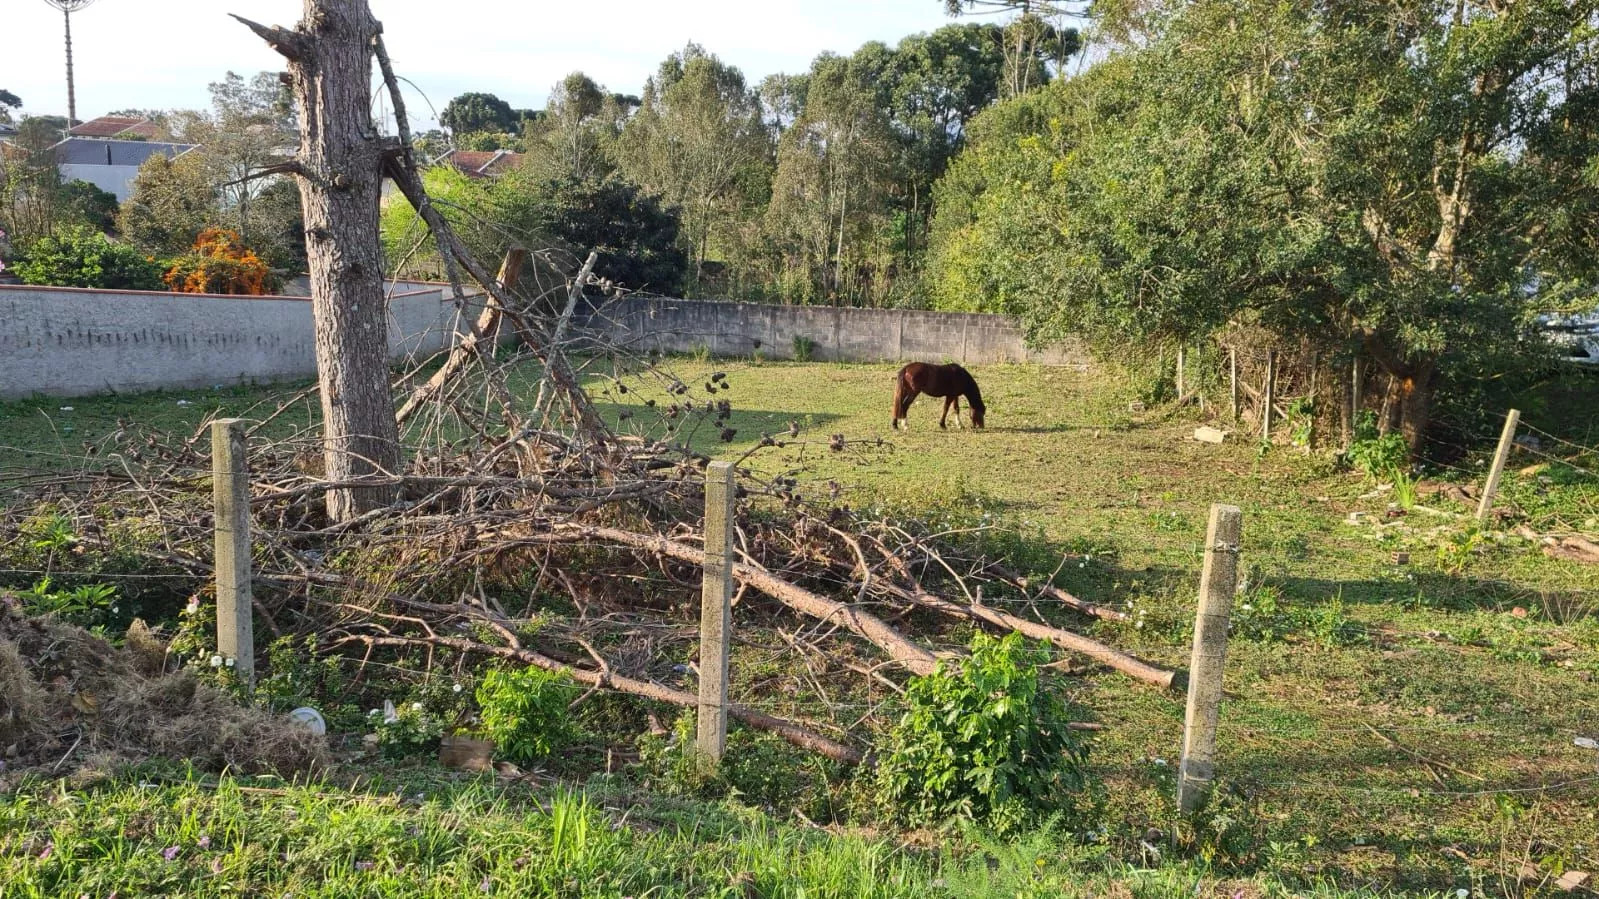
[220,263]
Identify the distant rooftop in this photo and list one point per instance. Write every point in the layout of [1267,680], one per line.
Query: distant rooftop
[115,126]
[91,151]
[481,163]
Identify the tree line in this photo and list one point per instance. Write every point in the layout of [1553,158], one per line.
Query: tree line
[814,187]
[1404,186]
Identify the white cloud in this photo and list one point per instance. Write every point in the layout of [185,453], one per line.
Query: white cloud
[163,53]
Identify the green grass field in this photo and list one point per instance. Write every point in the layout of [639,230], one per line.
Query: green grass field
[1393,722]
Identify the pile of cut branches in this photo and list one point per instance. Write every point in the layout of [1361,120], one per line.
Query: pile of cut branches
[517,489]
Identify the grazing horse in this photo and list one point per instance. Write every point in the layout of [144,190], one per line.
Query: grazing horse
[948,381]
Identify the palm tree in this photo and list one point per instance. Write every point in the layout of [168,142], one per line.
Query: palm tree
[68,7]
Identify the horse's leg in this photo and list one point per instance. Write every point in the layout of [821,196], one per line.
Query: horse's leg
[902,407]
[943,420]
[957,401]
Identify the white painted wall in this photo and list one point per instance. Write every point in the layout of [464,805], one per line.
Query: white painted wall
[117,179]
[73,342]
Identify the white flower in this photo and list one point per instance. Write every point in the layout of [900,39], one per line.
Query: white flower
[216,661]
[456,688]
[66,408]
[372,713]
[193,606]
[230,663]
[1462,894]
[416,706]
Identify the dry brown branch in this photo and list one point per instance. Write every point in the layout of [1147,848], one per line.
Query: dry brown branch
[788,730]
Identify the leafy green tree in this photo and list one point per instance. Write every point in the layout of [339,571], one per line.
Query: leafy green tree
[636,237]
[31,204]
[84,203]
[8,102]
[1397,182]
[475,112]
[248,129]
[697,140]
[173,200]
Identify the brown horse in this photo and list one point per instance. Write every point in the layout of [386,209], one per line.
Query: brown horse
[948,381]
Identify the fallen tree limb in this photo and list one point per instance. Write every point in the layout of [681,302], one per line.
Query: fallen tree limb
[1127,664]
[471,346]
[1061,596]
[788,730]
[900,648]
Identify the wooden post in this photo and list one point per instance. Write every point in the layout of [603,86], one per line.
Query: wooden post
[1232,370]
[1506,438]
[1271,394]
[716,610]
[1182,357]
[231,501]
[1216,586]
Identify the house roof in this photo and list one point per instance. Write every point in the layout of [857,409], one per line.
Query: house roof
[115,126]
[88,151]
[481,162]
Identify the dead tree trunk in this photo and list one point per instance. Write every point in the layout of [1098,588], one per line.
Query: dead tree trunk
[339,169]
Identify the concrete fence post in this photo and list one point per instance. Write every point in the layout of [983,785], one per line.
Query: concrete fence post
[231,501]
[716,611]
[1217,584]
[1507,438]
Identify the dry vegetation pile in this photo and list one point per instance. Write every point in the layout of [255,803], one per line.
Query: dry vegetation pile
[72,703]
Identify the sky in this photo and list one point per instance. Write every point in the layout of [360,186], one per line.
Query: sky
[161,54]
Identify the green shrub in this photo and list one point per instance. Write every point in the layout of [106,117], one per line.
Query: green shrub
[1377,455]
[980,740]
[804,347]
[525,711]
[81,257]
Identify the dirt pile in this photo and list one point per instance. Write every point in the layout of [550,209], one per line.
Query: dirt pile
[71,700]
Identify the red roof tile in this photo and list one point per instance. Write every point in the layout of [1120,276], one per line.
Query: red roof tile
[104,126]
[482,162]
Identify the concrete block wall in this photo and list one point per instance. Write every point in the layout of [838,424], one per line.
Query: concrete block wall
[838,334]
[74,342]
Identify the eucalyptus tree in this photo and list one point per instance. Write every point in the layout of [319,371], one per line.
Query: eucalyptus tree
[831,195]
[576,136]
[697,141]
